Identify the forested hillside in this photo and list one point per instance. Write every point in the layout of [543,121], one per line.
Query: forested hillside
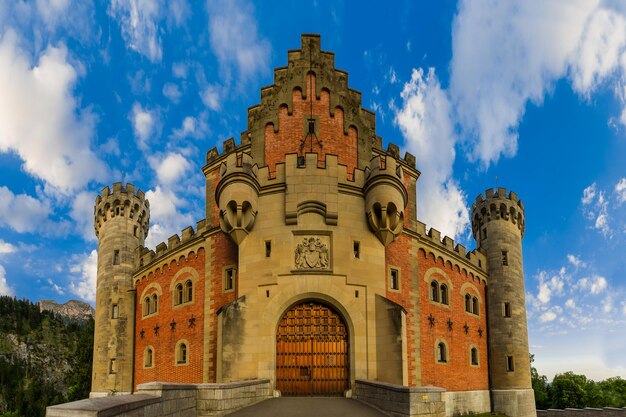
[45,359]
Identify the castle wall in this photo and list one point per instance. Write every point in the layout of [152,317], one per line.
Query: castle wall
[457,373]
[175,323]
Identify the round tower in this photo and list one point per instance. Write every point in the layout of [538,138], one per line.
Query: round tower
[121,220]
[498,225]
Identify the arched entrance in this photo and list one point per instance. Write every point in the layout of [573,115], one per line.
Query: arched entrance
[312,351]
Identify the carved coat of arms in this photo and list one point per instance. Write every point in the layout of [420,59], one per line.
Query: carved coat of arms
[311,253]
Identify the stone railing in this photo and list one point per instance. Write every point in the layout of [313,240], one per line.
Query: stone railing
[583,412]
[401,401]
[158,399]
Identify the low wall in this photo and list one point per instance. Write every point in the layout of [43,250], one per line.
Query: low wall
[583,412]
[402,401]
[460,403]
[158,399]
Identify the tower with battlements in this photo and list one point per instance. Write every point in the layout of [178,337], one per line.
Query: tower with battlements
[121,219]
[498,225]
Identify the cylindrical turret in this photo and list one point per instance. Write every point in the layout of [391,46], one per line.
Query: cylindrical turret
[121,220]
[498,224]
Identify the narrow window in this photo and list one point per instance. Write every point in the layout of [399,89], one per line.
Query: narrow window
[112,366]
[229,279]
[147,360]
[179,294]
[442,355]
[115,311]
[268,248]
[468,303]
[182,354]
[188,291]
[510,365]
[444,294]
[357,249]
[116,257]
[506,311]
[434,291]
[505,258]
[395,280]
[475,305]
[474,356]
[146,306]
[136,231]
[155,303]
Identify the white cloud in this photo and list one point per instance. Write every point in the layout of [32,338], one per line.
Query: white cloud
[594,284]
[234,38]
[55,287]
[192,127]
[211,97]
[85,272]
[180,69]
[5,289]
[40,119]
[620,189]
[545,293]
[582,39]
[166,216]
[82,214]
[143,121]
[6,247]
[169,168]
[547,316]
[425,123]
[22,212]
[574,260]
[570,303]
[172,92]
[589,194]
[178,11]
[138,21]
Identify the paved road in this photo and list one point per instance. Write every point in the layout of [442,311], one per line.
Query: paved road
[308,407]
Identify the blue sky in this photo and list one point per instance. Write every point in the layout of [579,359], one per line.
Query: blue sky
[529,95]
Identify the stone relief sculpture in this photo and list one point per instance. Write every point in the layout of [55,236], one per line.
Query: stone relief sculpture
[311,253]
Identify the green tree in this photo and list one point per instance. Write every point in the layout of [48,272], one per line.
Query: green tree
[540,386]
[570,390]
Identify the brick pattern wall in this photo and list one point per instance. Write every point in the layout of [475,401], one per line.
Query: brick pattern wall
[164,342]
[224,252]
[398,255]
[292,129]
[457,374]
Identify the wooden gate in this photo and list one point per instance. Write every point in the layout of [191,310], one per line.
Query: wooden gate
[312,352]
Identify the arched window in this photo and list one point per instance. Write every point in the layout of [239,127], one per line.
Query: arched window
[474,356]
[148,358]
[475,305]
[434,291]
[155,303]
[442,353]
[444,294]
[468,303]
[146,306]
[181,354]
[178,294]
[188,291]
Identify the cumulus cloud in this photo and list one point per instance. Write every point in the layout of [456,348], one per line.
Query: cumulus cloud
[82,214]
[144,122]
[139,20]
[166,215]
[85,274]
[574,260]
[172,92]
[589,194]
[169,167]
[547,316]
[620,190]
[211,97]
[192,127]
[234,39]
[22,212]
[5,289]
[594,284]
[425,115]
[580,39]
[601,207]
[40,119]
[6,247]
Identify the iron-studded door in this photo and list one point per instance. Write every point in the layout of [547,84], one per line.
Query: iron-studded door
[312,352]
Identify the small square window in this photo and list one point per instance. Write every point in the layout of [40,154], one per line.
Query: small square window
[229,279]
[268,248]
[115,311]
[505,258]
[510,365]
[357,249]
[506,310]
[116,257]
[394,279]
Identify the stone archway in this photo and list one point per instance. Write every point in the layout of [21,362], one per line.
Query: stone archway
[312,346]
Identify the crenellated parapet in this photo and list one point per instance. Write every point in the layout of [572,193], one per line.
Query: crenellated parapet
[497,205]
[145,256]
[385,198]
[237,195]
[122,201]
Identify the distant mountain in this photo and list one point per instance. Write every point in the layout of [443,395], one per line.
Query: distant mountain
[72,309]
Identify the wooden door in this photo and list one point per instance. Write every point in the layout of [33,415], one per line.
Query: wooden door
[312,352]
